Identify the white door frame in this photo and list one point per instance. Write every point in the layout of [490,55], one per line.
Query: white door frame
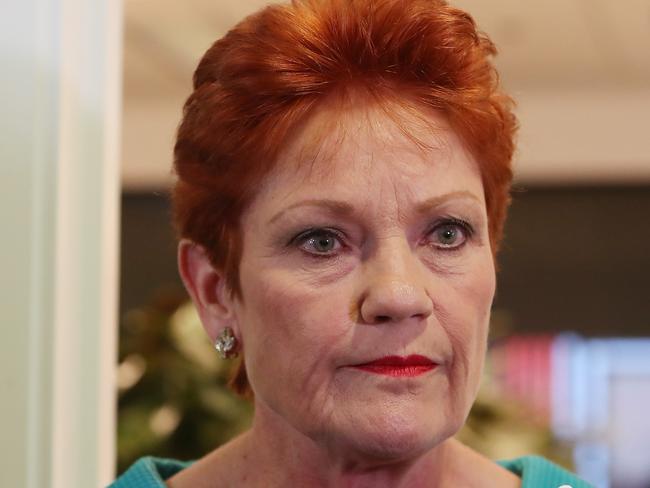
[59,208]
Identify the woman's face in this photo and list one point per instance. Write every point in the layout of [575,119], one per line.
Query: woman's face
[361,246]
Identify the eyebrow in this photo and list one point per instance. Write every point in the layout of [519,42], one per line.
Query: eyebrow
[338,207]
[335,206]
[433,202]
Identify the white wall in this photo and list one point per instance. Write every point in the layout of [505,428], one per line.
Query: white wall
[61,78]
[584,137]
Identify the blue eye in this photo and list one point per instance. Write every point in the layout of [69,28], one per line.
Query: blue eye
[450,234]
[319,242]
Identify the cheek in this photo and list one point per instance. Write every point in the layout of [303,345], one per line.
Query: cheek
[291,330]
[465,316]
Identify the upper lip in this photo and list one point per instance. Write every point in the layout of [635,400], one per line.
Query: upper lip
[412,360]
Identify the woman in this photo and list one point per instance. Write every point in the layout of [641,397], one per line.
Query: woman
[343,176]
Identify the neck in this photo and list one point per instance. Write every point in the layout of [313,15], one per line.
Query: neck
[282,456]
[273,454]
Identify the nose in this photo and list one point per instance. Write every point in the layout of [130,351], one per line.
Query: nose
[394,290]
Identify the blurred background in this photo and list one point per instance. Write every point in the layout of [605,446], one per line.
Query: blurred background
[567,374]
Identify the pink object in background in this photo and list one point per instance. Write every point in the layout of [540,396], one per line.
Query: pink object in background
[526,372]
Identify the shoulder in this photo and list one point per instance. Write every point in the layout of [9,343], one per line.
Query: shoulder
[149,472]
[537,472]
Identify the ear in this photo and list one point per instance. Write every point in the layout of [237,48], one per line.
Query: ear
[207,288]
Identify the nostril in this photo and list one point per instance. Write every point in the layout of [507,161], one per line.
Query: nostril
[382,319]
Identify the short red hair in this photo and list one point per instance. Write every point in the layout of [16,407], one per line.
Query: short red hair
[270,72]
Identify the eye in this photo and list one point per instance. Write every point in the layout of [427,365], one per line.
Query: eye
[450,234]
[319,242]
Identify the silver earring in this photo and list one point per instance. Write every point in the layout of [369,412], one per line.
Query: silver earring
[226,344]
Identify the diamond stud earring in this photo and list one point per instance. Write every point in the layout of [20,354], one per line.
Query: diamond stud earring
[226,344]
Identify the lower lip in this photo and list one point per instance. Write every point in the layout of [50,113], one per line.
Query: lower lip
[392,370]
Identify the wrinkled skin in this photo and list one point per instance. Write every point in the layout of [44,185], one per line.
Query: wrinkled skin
[383,274]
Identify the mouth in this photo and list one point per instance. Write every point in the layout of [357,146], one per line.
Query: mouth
[413,365]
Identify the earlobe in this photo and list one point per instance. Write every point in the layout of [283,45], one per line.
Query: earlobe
[207,288]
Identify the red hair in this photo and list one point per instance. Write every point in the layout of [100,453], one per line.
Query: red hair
[270,72]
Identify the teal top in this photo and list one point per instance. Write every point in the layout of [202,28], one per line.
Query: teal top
[535,472]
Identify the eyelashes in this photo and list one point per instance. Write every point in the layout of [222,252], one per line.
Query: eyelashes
[451,233]
[319,242]
[448,234]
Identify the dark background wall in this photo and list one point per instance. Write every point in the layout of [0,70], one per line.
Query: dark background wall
[574,258]
[578,258]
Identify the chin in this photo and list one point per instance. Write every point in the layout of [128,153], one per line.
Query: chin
[393,439]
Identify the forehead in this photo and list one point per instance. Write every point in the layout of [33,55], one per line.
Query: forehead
[338,152]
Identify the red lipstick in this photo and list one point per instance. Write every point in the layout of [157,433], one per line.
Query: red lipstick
[413,365]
